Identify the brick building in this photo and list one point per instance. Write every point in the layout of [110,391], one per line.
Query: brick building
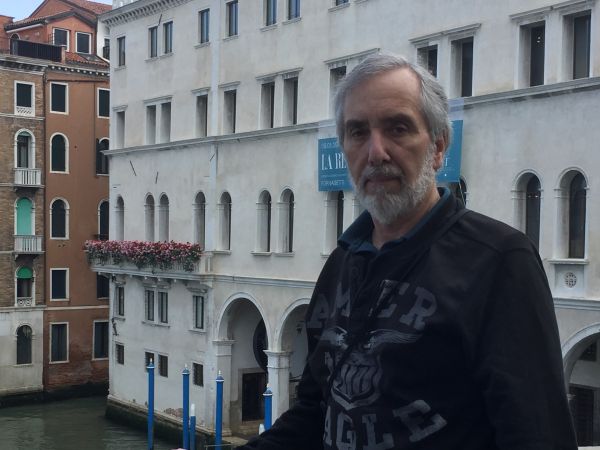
[53,194]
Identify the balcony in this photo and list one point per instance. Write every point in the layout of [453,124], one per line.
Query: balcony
[169,260]
[28,49]
[25,244]
[28,177]
[24,302]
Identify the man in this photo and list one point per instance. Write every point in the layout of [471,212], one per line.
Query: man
[430,327]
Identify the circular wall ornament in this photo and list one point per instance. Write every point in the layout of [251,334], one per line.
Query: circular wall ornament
[570,279]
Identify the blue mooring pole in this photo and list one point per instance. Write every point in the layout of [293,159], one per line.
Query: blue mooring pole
[150,405]
[193,427]
[219,412]
[268,395]
[186,407]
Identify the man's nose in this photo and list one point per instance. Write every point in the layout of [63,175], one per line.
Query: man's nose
[378,152]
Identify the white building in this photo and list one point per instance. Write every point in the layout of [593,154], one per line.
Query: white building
[218,110]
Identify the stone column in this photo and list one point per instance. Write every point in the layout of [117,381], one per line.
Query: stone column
[278,366]
[222,350]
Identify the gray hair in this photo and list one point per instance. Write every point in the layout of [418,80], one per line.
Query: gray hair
[434,103]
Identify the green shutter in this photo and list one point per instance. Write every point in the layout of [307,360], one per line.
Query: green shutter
[24,208]
[25,273]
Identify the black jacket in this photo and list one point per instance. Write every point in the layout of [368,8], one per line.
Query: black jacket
[450,343]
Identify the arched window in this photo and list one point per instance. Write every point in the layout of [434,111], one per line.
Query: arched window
[200,219]
[103,220]
[14,45]
[225,222]
[163,218]
[459,190]
[263,222]
[24,334]
[533,195]
[24,289]
[101,158]
[149,218]
[24,154]
[577,213]
[286,221]
[24,217]
[58,154]
[120,219]
[59,219]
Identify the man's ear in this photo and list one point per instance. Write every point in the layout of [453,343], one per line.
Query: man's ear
[440,148]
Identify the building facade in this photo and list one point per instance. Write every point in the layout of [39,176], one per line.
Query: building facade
[60,187]
[222,114]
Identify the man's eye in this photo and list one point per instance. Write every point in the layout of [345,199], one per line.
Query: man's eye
[399,129]
[357,132]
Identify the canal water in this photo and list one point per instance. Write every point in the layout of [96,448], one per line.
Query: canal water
[77,424]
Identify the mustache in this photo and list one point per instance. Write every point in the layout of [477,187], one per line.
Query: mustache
[386,170]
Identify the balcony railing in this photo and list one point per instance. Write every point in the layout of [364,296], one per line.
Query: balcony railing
[28,244]
[25,301]
[31,49]
[202,267]
[24,111]
[28,177]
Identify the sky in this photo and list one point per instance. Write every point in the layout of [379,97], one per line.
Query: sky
[19,9]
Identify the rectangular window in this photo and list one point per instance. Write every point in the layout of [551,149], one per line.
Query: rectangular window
[462,65]
[120,353]
[61,37]
[536,34]
[104,103]
[202,115]
[153,42]
[163,365]
[84,42]
[229,112]
[120,301]
[150,306]
[58,97]
[198,374]
[267,107]
[121,50]
[163,307]
[204,25]
[293,9]
[232,18]
[151,124]
[581,46]
[102,286]
[290,98]
[270,12]
[340,2]
[59,284]
[100,340]
[165,122]
[58,342]
[120,134]
[198,312]
[24,99]
[335,76]
[149,359]
[427,57]
[168,37]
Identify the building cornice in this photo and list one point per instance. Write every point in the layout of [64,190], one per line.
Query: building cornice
[137,10]
[344,60]
[546,90]
[80,69]
[586,304]
[22,63]
[312,127]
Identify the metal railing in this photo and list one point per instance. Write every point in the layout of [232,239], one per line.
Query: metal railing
[28,177]
[29,49]
[28,244]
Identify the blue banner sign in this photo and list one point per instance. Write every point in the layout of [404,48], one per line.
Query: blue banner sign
[333,169]
[450,170]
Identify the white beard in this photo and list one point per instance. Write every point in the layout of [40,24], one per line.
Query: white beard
[386,207]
